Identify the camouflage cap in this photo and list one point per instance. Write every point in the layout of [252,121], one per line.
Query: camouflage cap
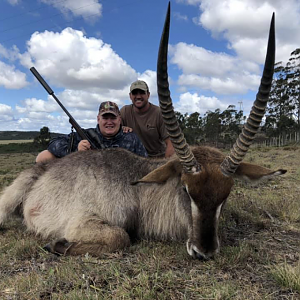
[109,107]
[139,85]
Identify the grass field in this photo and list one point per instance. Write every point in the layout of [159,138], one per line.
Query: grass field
[259,257]
[5,142]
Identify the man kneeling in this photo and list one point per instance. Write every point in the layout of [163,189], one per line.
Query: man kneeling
[107,134]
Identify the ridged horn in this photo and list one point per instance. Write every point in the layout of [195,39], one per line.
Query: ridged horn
[182,149]
[245,139]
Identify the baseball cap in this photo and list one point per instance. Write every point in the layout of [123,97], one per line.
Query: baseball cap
[109,107]
[139,85]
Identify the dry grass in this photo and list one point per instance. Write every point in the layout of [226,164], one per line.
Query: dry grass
[287,276]
[259,258]
[5,142]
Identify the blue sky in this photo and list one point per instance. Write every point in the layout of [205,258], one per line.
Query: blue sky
[90,51]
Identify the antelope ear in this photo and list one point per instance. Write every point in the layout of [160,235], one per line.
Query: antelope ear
[161,174]
[256,173]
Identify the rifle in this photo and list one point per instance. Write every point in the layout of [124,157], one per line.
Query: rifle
[79,130]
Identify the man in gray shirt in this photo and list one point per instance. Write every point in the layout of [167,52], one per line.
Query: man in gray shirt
[146,121]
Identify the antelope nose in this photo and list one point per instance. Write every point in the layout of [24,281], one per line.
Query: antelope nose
[198,255]
[194,252]
[201,256]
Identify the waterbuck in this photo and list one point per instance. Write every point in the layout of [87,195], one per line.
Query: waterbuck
[97,201]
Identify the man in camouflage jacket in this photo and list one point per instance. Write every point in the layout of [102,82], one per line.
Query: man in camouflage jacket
[107,134]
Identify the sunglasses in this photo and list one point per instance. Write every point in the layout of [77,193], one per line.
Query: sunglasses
[137,91]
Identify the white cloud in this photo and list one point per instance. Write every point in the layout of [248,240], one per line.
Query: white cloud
[217,72]
[190,103]
[14,2]
[6,113]
[245,25]
[36,113]
[190,2]
[82,105]
[88,100]
[36,120]
[150,78]
[180,16]
[72,60]
[222,86]
[4,109]
[89,10]
[11,78]
[192,59]
[37,106]
[11,54]
[89,71]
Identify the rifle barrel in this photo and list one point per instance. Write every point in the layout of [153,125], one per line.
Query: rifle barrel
[71,119]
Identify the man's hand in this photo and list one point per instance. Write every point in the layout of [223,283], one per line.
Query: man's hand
[126,129]
[84,145]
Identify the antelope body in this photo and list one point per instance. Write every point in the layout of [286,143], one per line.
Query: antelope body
[97,201]
[86,201]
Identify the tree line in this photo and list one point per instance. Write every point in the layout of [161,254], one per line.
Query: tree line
[282,118]
[283,113]
[217,127]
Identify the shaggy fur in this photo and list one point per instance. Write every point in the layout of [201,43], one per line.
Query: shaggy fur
[87,201]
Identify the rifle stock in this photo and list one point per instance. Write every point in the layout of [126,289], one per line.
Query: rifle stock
[78,129]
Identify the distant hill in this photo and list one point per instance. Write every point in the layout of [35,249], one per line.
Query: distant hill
[22,135]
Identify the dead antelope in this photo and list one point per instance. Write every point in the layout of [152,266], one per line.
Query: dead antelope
[97,201]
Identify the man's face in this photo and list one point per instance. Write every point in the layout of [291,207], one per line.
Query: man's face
[109,124]
[139,98]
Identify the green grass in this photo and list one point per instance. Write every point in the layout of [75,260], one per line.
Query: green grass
[287,276]
[259,255]
[19,147]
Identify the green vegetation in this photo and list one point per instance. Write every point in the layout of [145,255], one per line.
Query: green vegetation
[22,135]
[21,148]
[259,257]
[287,276]
[283,114]
[43,138]
[25,142]
[282,123]
[217,127]
[18,135]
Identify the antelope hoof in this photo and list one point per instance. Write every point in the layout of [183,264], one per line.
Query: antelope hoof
[58,247]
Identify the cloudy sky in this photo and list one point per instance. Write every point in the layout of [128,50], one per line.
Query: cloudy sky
[90,51]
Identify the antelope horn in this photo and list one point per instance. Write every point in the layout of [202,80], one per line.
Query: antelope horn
[184,153]
[245,139]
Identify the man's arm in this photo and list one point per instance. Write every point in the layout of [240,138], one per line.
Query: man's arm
[169,148]
[44,156]
[59,146]
[139,148]
[134,144]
